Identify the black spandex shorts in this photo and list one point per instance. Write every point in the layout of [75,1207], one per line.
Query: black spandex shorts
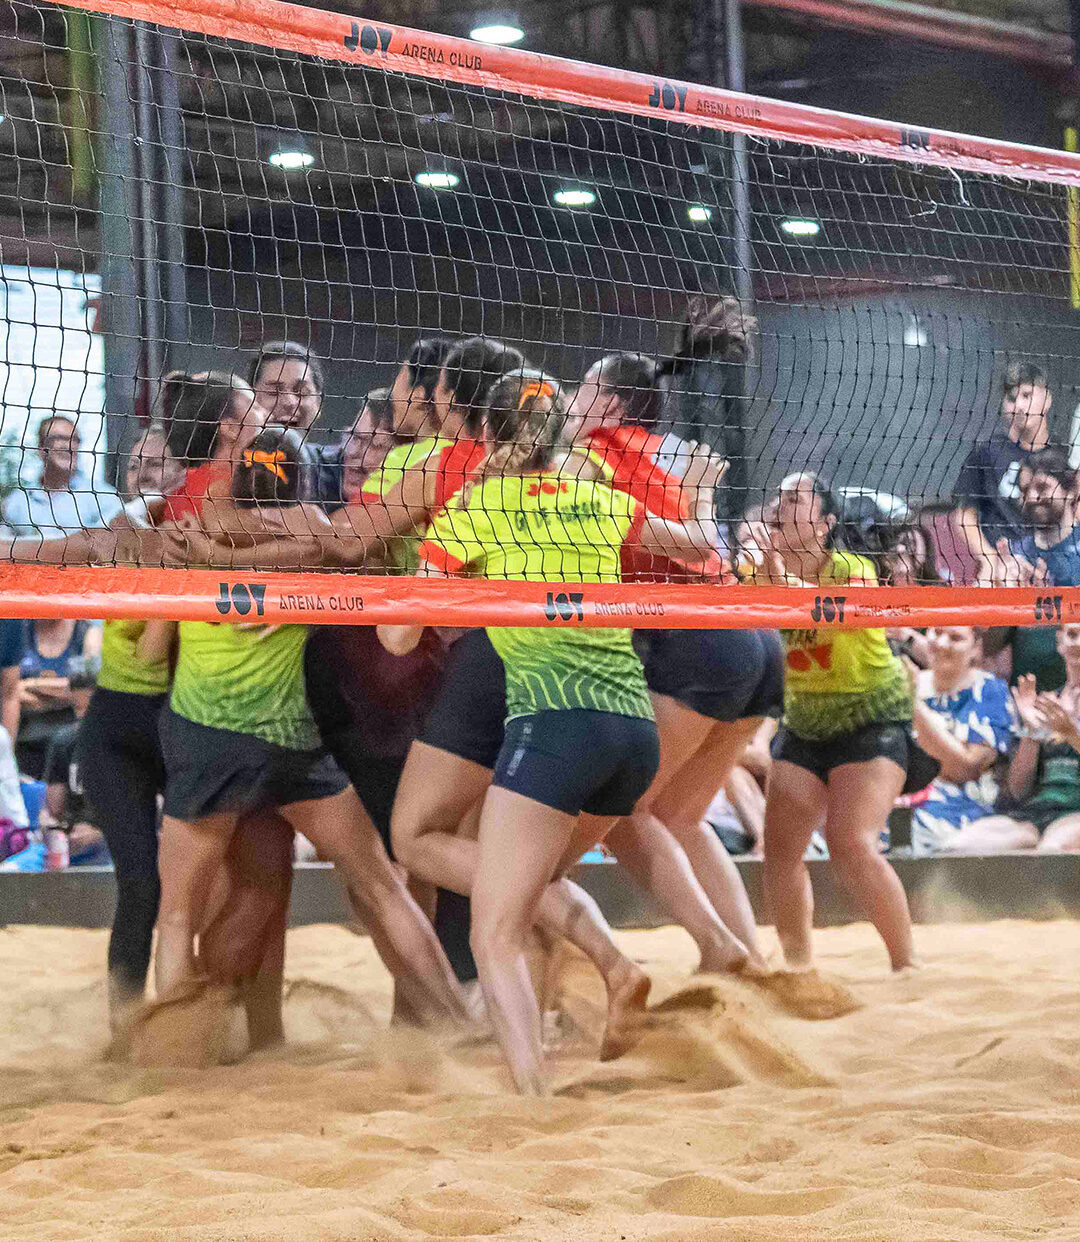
[876,741]
[214,770]
[1041,814]
[579,760]
[467,717]
[722,674]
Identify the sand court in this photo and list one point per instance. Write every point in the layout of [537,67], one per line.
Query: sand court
[944,1105]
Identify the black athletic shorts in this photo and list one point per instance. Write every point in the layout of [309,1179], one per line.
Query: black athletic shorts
[1041,814]
[468,714]
[214,770]
[722,674]
[893,740]
[579,760]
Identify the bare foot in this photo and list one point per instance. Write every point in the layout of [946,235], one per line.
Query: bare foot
[628,994]
[725,957]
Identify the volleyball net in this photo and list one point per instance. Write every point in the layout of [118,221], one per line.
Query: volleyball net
[187,182]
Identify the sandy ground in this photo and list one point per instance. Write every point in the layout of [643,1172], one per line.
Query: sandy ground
[946,1108]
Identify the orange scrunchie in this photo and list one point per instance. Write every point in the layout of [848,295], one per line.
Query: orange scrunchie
[271,461]
[536,388]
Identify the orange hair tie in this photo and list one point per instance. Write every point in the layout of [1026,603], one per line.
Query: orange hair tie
[536,388]
[270,461]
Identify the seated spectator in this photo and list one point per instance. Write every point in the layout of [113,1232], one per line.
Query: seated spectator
[64,500]
[64,801]
[11,654]
[1041,806]
[911,561]
[47,703]
[1050,551]
[964,718]
[371,438]
[989,484]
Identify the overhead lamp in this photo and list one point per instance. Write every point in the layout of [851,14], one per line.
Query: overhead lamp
[800,226]
[497,26]
[497,33]
[574,197]
[434,179]
[291,160]
[699,213]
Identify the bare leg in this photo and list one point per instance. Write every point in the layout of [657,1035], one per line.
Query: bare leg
[795,805]
[521,844]
[1062,836]
[860,798]
[995,834]
[682,804]
[189,858]
[342,831]
[429,844]
[658,863]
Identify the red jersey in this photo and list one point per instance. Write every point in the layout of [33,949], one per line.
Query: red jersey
[187,500]
[630,457]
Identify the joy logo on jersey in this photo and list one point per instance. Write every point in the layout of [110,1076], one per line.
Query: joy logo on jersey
[546,489]
[240,597]
[565,606]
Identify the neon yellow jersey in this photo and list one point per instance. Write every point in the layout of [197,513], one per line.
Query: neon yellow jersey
[838,681]
[121,669]
[247,679]
[542,528]
[401,552]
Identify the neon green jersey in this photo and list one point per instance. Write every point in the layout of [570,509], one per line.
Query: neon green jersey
[121,669]
[247,679]
[401,554]
[548,528]
[838,681]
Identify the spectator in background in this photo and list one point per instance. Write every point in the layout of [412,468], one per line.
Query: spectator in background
[152,471]
[364,448]
[64,798]
[964,718]
[911,561]
[1041,807]
[288,382]
[11,654]
[1050,551]
[64,500]
[989,484]
[50,648]
[1048,554]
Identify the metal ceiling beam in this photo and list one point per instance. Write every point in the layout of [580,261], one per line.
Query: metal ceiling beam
[941,27]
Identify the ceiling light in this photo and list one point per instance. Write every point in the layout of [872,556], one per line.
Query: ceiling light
[290,160]
[574,198]
[437,180]
[800,227]
[699,213]
[497,32]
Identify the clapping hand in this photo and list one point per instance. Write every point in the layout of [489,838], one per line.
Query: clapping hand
[1058,719]
[705,469]
[1026,697]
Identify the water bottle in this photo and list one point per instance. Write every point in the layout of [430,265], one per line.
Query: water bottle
[57,853]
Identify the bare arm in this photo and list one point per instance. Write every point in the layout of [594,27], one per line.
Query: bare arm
[10,703]
[699,534]
[960,761]
[156,642]
[1023,768]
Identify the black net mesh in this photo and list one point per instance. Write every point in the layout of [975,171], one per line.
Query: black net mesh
[172,202]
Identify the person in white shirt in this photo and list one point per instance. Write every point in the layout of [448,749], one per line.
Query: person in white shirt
[65,500]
